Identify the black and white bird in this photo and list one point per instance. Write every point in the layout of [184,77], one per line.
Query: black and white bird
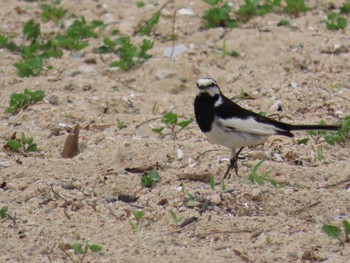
[227,124]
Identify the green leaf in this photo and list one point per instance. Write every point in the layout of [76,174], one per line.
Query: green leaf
[32,147]
[147,28]
[169,118]
[154,175]
[158,130]
[346,226]
[94,248]
[176,219]
[140,4]
[331,231]
[4,212]
[14,144]
[31,30]
[185,123]
[213,2]
[303,141]
[77,247]
[146,181]
[139,214]
[212,183]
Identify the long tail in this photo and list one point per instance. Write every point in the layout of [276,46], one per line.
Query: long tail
[314,128]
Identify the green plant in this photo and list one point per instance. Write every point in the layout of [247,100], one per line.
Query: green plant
[294,7]
[254,8]
[82,251]
[177,220]
[336,21]
[283,22]
[146,28]
[345,8]
[4,212]
[171,121]
[140,4]
[319,151]
[225,52]
[336,233]
[138,216]
[52,12]
[19,101]
[260,179]
[218,15]
[121,125]
[212,182]
[148,179]
[129,54]
[223,185]
[26,143]
[332,138]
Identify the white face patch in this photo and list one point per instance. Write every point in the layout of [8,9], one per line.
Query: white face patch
[209,86]
[206,82]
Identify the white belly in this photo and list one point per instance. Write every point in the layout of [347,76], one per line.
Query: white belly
[233,138]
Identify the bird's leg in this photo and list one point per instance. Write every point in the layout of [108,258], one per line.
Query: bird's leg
[233,163]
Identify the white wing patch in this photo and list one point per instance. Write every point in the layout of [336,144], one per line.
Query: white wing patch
[249,125]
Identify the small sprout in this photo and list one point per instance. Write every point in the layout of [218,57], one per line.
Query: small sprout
[212,182]
[336,233]
[177,220]
[121,125]
[336,21]
[155,108]
[252,8]
[52,12]
[295,7]
[218,15]
[24,142]
[303,141]
[345,8]
[129,54]
[269,240]
[4,212]
[171,121]
[138,215]
[223,185]
[82,251]
[260,179]
[140,4]
[20,101]
[146,28]
[283,22]
[225,52]
[148,180]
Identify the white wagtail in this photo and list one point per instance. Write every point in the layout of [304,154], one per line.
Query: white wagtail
[227,124]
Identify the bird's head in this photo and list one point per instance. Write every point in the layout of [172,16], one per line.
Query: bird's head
[208,86]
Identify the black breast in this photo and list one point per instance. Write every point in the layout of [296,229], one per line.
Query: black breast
[204,111]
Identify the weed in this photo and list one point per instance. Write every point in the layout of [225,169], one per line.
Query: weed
[155,108]
[19,101]
[171,121]
[336,233]
[269,240]
[294,7]
[336,21]
[177,220]
[254,8]
[4,212]
[218,15]
[52,12]
[26,143]
[138,215]
[225,52]
[140,4]
[212,182]
[223,185]
[146,28]
[345,8]
[319,151]
[283,22]
[121,125]
[82,251]
[148,180]
[129,54]
[332,138]
[260,179]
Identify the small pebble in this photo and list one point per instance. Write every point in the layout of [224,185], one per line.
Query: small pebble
[111,199]
[67,186]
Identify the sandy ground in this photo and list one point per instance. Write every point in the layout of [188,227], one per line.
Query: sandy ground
[294,67]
